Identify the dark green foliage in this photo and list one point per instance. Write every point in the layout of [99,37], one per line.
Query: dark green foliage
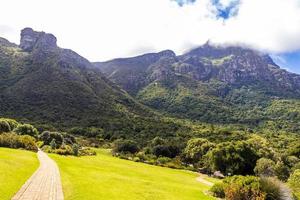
[87,132]
[12,140]
[282,171]
[196,148]
[295,150]
[232,158]
[47,137]
[218,190]
[53,144]
[26,129]
[4,126]
[265,167]
[169,151]
[125,146]
[75,148]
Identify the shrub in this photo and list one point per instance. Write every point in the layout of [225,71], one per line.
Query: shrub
[12,123]
[26,129]
[47,137]
[196,148]
[282,171]
[218,190]
[4,126]
[169,151]
[88,132]
[251,188]
[53,144]
[243,188]
[265,167]
[294,182]
[66,150]
[12,140]
[75,148]
[86,152]
[232,158]
[157,141]
[125,146]
[163,160]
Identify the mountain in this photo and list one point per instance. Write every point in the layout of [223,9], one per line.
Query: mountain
[210,83]
[45,84]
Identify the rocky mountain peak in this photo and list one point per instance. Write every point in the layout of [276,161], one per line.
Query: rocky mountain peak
[31,39]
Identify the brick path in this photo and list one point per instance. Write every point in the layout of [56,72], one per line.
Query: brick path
[44,184]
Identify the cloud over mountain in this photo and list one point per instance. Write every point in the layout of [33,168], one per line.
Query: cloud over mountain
[116,28]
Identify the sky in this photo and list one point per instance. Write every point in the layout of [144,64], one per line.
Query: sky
[104,29]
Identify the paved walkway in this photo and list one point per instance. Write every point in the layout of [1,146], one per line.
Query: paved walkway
[202,180]
[44,184]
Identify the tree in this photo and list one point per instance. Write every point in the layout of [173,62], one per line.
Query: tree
[48,136]
[232,158]
[196,148]
[26,129]
[169,151]
[125,146]
[282,171]
[158,141]
[265,167]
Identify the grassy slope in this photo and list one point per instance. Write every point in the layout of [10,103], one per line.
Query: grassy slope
[16,166]
[106,177]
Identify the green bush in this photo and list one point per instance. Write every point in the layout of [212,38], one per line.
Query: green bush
[232,158]
[196,148]
[294,182]
[47,137]
[265,167]
[4,126]
[12,140]
[12,123]
[218,190]
[125,146]
[75,148]
[170,151]
[66,150]
[26,129]
[282,171]
[243,188]
[163,160]
[86,152]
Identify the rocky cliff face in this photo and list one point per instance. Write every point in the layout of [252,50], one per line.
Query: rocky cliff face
[31,39]
[209,83]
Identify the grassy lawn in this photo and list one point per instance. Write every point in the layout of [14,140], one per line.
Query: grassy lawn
[110,178]
[16,166]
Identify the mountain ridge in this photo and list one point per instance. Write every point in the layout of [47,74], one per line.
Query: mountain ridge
[205,82]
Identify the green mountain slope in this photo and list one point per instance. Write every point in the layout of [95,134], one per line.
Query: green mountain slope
[45,84]
[210,83]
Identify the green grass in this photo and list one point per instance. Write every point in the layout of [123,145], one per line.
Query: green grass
[110,178]
[16,166]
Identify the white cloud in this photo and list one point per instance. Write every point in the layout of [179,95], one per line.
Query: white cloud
[104,29]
